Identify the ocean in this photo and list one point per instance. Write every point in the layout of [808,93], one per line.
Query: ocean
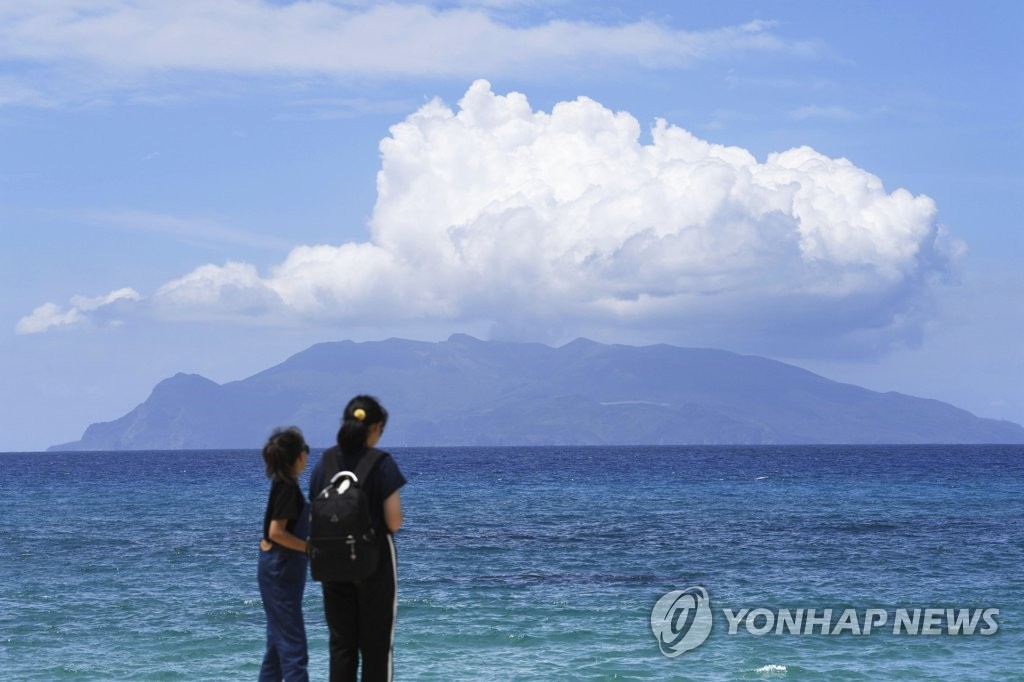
[541,564]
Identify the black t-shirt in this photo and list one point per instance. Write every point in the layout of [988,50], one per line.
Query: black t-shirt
[285,502]
[384,479]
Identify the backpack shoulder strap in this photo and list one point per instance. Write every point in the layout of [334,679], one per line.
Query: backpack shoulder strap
[367,463]
[329,465]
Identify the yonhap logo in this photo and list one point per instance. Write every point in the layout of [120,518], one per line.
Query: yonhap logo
[681,620]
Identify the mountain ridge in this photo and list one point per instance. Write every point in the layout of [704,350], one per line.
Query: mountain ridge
[465,391]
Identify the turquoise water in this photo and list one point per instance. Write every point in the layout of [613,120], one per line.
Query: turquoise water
[528,563]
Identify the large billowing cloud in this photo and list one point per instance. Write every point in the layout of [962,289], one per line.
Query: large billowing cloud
[563,222]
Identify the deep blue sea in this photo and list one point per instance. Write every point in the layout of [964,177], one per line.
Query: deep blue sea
[532,563]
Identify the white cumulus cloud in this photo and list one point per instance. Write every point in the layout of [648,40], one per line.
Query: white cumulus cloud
[536,221]
[81,310]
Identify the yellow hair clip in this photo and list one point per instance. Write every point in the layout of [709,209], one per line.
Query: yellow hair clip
[359,413]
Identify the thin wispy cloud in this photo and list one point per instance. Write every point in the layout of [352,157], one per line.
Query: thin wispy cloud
[530,220]
[108,45]
[22,92]
[82,311]
[340,108]
[193,230]
[832,113]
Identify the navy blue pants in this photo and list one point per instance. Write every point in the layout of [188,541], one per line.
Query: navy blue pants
[282,579]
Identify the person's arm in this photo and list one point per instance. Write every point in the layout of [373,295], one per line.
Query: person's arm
[279,535]
[393,512]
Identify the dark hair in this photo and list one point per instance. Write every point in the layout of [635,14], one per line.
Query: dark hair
[360,414]
[282,449]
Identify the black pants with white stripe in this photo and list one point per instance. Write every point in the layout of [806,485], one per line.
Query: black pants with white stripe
[361,619]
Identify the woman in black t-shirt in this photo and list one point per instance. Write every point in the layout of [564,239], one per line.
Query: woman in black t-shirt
[361,616]
[283,562]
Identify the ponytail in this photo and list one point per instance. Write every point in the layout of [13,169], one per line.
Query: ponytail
[360,414]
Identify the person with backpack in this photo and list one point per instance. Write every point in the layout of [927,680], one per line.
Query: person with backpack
[356,510]
[282,563]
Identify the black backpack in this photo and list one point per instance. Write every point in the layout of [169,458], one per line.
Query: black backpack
[343,543]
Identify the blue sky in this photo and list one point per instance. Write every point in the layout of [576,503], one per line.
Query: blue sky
[213,186]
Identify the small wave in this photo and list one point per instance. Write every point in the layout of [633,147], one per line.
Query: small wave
[772,668]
